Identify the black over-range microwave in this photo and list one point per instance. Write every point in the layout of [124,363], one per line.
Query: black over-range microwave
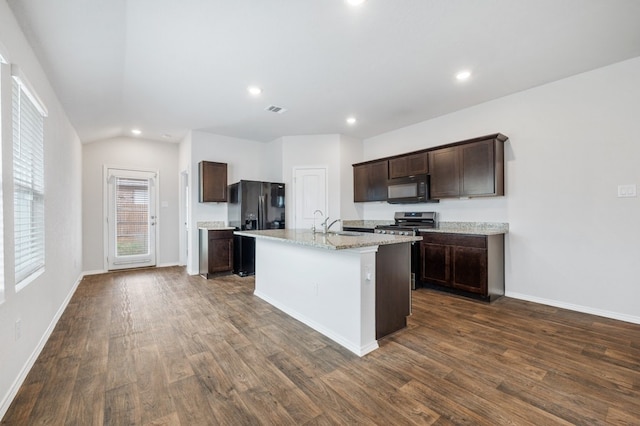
[411,189]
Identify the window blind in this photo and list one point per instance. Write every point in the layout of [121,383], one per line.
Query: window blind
[28,184]
[132,216]
[4,67]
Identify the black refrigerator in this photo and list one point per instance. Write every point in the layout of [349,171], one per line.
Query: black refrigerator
[253,205]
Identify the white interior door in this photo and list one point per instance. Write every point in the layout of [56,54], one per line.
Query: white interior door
[310,194]
[131,219]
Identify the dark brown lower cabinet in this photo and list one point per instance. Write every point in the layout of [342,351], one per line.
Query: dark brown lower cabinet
[468,264]
[216,252]
[393,288]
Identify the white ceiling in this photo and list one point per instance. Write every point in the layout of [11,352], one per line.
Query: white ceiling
[167,66]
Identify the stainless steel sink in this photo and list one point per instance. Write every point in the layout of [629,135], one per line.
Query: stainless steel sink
[346,233]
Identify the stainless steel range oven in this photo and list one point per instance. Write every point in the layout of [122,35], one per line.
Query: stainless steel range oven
[408,223]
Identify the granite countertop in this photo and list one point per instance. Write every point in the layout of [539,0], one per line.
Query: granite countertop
[472,228]
[215,225]
[328,241]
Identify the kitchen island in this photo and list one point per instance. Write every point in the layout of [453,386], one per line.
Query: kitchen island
[352,288]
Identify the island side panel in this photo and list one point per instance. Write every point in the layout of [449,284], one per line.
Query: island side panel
[331,291]
[393,288]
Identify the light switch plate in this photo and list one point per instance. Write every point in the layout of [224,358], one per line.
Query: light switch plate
[627,190]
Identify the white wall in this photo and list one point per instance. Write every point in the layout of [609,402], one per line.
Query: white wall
[38,305]
[351,152]
[322,151]
[246,159]
[134,154]
[335,152]
[572,242]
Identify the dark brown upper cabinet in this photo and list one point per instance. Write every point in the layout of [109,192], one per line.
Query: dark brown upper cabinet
[409,165]
[213,182]
[473,169]
[469,168]
[445,173]
[370,181]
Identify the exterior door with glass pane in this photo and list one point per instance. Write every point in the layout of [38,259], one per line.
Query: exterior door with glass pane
[131,219]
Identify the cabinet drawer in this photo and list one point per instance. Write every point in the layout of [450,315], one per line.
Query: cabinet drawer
[219,235]
[463,240]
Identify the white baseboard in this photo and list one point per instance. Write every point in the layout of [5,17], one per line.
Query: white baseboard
[104,271]
[95,272]
[577,308]
[24,371]
[358,349]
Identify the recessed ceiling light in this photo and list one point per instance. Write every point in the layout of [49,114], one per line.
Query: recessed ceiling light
[254,90]
[136,132]
[463,75]
[355,2]
[351,120]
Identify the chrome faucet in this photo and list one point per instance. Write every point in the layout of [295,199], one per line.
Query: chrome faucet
[325,227]
[313,228]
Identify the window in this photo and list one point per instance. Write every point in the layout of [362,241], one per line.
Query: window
[28,181]
[132,216]
[4,69]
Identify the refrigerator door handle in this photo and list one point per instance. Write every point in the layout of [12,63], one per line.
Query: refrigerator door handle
[261,212]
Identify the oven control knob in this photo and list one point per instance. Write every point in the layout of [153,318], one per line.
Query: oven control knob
[391,232]
[404,233]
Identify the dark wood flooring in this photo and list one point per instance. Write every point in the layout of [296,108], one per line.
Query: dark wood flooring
[158,347]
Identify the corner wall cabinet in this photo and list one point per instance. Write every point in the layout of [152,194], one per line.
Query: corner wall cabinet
[216,252]
[213,181]
[470,264]
[473,169]
[370,181]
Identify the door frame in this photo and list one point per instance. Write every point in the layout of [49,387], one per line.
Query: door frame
[185,213]
[294,190]
[105,209]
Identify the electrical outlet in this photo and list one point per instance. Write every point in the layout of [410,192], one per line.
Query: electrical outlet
[18,329]
[627,190]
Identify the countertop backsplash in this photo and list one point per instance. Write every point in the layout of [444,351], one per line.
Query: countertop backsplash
[217,224]
[366,223]
[497,227]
